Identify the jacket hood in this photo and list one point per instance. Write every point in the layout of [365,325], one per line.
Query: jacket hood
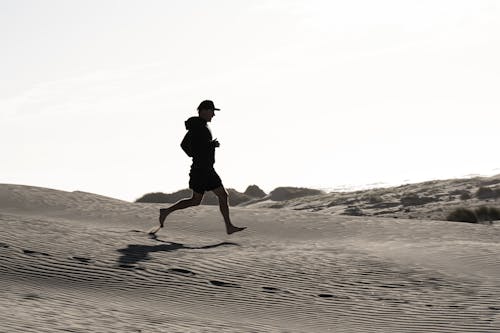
[195,122]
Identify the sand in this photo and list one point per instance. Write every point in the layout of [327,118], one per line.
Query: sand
[80,262]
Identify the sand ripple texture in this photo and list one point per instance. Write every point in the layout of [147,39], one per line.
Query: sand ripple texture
[70,265]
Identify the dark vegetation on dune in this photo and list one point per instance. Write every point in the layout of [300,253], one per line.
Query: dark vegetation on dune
[159,197]
[252,194]
[235,197]
[477,215]
[255,192]
[417,200]
[287,193]
[488,192]
[461,200]
[472,200]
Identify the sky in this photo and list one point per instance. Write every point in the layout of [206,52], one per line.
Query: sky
[313,93]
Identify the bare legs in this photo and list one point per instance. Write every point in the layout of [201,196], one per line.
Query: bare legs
[195,200]
[221,193]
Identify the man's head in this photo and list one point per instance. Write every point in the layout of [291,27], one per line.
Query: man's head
[206,110]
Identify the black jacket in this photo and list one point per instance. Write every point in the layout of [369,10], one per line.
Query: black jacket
[198,144]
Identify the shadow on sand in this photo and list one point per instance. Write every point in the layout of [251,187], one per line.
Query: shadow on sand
[135,253]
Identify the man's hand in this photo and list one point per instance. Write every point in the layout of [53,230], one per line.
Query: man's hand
[216,143]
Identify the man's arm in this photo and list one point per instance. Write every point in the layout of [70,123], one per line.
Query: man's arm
[186,144]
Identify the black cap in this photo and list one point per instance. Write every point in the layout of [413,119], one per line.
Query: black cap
[207,104]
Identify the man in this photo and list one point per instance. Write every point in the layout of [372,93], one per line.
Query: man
[199,145]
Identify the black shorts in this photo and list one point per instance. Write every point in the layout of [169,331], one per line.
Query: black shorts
[203,179]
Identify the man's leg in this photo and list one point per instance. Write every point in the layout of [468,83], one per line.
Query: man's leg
[195,200]
[221,193]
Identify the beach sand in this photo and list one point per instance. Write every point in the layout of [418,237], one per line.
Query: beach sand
[80,262]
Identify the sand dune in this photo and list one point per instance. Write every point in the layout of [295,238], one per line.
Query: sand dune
[79,262]
[432,200]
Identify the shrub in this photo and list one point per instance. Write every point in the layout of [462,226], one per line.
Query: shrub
[465,196]
[287,193]
[462,215]
[415,200]
[277,206]
[254,191]
[486,193]
[487,214]
[353,211]
[373,198]
[159,197]
[480,214]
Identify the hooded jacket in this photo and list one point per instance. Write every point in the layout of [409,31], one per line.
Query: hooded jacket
[198,144]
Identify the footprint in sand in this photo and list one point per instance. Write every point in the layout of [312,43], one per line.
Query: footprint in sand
[82,260]
[333,296]
[3,245]
[224,284]
[31,252]
[182,271]
[392,286]
[273,290]
[392,300]
[270,290]
[131,267]
[31,296]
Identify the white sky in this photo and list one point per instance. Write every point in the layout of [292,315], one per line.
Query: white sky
[94,94]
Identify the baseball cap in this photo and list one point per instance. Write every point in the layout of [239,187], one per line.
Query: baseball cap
[207,104]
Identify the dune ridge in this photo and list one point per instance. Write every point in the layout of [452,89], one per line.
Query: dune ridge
[425,200]
[79,262]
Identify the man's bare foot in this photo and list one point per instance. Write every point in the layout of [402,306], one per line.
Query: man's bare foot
[232,229]
[163,216]
[152,232]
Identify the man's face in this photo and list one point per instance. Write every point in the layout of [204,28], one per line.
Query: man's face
[207,114]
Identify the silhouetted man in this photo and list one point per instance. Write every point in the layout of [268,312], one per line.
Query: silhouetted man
[199,145]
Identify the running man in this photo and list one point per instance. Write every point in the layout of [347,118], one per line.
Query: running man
[199,145]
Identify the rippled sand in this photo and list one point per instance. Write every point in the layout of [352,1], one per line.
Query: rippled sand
[79,262]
